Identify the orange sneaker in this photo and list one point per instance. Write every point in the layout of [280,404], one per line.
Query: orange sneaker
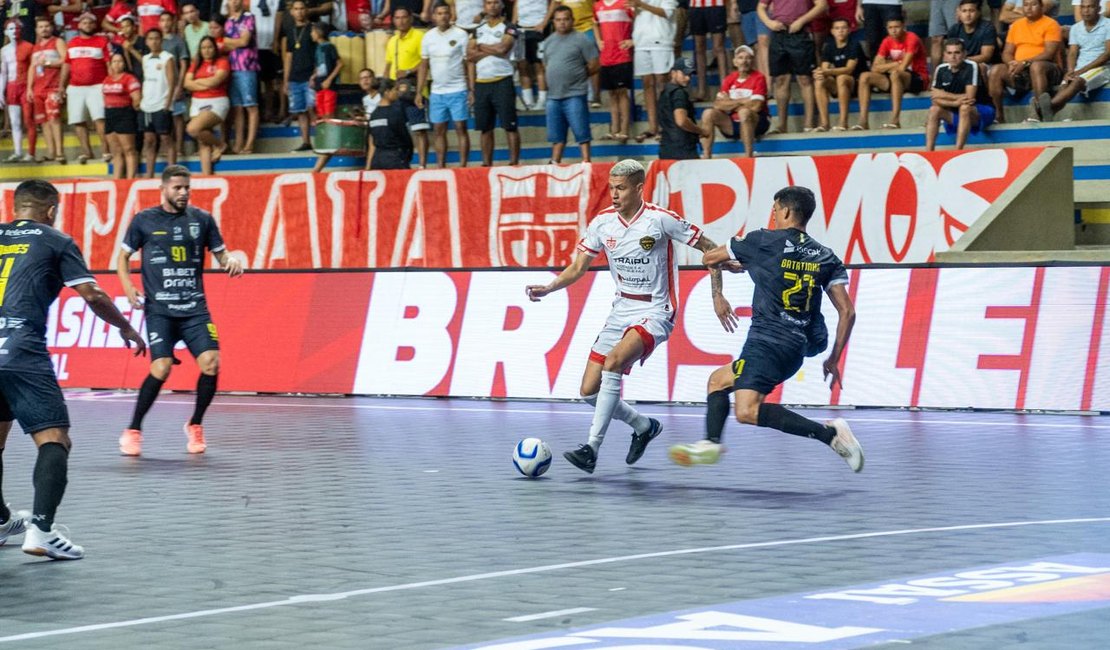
[131,442]
[195,435]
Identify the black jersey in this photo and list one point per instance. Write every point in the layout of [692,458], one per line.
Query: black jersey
[389,128]
[173,258]
[35,262]
[790,270]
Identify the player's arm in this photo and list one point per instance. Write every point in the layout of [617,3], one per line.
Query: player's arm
[103,307]
[838,295]
[123,272]
[721,306]
[230,264]
[569,276]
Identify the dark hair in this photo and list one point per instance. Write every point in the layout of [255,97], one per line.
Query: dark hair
[799,200]
[440,3]
[385,84]
[977,3]
[563,8]
[175,171]
[44,19]
[35,195]
[323,28]
[953,41]
[897,18]
[400,8]
[366,70]
[841,20]
[154,30]
[200,57]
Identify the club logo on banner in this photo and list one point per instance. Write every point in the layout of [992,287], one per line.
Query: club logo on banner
[887,207]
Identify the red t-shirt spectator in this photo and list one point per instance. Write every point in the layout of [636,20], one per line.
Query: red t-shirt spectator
[119,11]
[206,69]
[754,86]
[614,19]
[893,50]
[46,78]
[150,10]
[117,92]
[87,57]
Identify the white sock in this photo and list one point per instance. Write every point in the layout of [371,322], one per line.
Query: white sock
[526,95]
[542,99]
[607,399]
[15,114]
[625,413]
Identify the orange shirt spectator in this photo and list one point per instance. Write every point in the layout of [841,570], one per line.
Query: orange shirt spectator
[1029,37]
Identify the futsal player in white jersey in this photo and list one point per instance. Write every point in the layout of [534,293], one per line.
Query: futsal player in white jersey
[638,239]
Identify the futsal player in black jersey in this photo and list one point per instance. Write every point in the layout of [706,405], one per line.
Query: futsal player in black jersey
[173,238]
[36,261]
[790,270]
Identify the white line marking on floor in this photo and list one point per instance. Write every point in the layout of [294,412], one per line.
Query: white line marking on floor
[547,568]
[618,588]
[667,414]
[543,615]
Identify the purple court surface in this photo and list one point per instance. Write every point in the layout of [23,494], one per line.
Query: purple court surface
[401,523]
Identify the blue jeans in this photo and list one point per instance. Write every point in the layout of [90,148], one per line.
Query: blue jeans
[301,97]
[572,112]
[244,88]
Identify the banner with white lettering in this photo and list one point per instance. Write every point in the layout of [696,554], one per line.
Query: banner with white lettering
[1008,338]
[871,208]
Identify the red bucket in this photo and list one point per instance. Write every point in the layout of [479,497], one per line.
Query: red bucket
[326,101]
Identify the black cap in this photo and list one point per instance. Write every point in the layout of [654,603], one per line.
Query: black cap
[684,64]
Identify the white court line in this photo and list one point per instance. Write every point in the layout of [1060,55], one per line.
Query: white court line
[543,615]
[584,412]
[409,586]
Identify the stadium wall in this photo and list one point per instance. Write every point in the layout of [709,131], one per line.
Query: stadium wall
[1016,337]
[876,208]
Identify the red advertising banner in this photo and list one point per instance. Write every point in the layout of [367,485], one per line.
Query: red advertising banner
[1007,338]
[887,207]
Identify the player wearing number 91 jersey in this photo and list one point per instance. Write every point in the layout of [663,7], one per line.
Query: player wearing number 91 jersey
[790,270]
[173,238]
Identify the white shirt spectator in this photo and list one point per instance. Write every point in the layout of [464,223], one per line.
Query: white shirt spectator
[156,88]
[1092,43]
[495,67]
[445,52]
[651,32]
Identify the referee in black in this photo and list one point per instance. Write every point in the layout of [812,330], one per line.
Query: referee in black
[36,261]
[390,137]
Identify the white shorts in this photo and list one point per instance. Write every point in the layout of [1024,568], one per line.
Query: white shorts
[84,103]
[218,105]
[645,62]
[1096,78]
[653,326]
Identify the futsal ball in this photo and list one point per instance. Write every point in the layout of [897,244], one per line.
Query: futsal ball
[532,457]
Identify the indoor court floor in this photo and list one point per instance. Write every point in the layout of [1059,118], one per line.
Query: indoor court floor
[402,524]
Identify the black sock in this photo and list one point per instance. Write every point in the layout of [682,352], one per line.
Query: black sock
[50,483]
[147,394]
[206,390]
[716,414]
[4,512]
[776,416]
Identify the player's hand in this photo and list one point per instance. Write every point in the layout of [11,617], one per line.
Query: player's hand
[130,336]
[725,313]
[134,297]
[536,291]
[419,100]
[233,266]
[831,368]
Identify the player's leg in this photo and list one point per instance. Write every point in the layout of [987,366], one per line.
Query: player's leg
[199,333]
[932,125]
[969,117]
[709,449]
[899,83]
[162,335]
[9,525]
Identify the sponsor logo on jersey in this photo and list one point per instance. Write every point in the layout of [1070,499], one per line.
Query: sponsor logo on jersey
[647,242]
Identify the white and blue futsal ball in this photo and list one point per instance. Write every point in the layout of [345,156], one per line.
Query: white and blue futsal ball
[532,457]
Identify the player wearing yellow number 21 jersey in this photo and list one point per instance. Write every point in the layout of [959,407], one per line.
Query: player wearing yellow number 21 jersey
[173,237]
[790,270]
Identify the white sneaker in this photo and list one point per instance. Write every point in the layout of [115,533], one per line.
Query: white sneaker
[15,525]
[845,444]
[15,157]
[702,452]
[54,544]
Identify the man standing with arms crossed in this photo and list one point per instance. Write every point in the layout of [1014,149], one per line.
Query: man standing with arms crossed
[173,237]
[638,239]
[35,262]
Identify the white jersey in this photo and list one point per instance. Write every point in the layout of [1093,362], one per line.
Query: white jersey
[641,255]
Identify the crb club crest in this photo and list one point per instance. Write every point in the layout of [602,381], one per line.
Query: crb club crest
[647,243]
[611,243]
[536,214]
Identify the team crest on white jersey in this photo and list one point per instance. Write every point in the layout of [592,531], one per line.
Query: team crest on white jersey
[647,242]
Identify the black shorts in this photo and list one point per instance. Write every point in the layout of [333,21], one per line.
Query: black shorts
[791,54]
[391,158]
[874,23]
[159,122]
[764,364]
[707,20]
[761,126]
[33,398]
[495,99]
[532,40]
[615,77]
[163,332]
[270,64]
[417,118]
[917,84]
[121,120]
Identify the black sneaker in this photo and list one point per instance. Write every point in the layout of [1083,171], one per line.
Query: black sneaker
[304,147]
[584,458]
[640,441]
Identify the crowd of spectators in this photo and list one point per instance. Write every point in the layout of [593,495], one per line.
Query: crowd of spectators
[144,74]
